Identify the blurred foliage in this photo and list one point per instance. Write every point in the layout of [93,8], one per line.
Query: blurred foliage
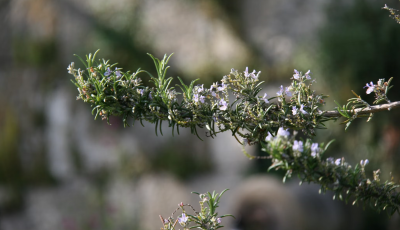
[169,158]
[15,176]
[31,52]
[179,161]
[11,171]
[358,44]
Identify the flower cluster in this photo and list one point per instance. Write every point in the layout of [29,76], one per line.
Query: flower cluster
[207,218]
[357,106]
[380,90]
[305,159]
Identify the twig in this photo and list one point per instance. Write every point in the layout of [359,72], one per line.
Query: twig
[371,109]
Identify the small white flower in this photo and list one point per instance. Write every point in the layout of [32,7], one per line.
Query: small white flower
[287,91]
[182,220]
[314,150]
[200,89]
[254,75]
[363,163]
[202,98]
[265,98]
[280,92]
[296,74]
[329,160]
[294,110]
[371,87]
[223,104]
[298,146]
[222,87]
[269,137]
[117,72]
[108,72]
[308,75]
[71,68]
[302,109]
[283,132]
[246,72]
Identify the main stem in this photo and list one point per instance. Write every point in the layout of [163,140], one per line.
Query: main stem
[371,109]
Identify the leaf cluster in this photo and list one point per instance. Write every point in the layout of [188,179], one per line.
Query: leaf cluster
[207,218]
[346,182]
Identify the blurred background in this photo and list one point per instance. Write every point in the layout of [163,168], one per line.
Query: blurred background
[60,169]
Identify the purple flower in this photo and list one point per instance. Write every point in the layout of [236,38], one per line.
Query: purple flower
[371,87]
[117,72]
[108,72]
[182,220]
[252,74]
[151,98]
[302,109]
[269,137]
[223,104]
[283,132]
[308,75]
[200,89]
[338,161]
[314,149]
[141,91]
[195,97]
[287,91]
[280,92]
[294,110]
[329,160]
[363,163]
[298,146]
[219,220]
[246,72]
[296,74]
[265,98]
[222,87]
[202,99]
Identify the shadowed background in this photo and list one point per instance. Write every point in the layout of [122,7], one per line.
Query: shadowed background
[60,169]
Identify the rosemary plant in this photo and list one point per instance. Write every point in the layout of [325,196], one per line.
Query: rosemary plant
[250,117]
